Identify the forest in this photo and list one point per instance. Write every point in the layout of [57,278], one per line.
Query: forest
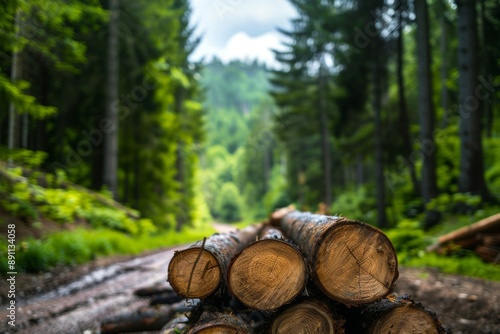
[113,140]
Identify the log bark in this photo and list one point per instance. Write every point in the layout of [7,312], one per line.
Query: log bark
[165,299]
[268,273]
[352,262]
[218,322]
[149,291]
[200,270]
[145,319]
[307,316]
[399,315]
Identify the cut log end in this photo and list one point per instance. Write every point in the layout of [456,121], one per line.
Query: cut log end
[405,320]
[268,274]
[194,273]
[219,323]
[355,264]
[309,317]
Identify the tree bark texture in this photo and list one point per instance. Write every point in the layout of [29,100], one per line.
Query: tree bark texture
[471,177]
[111,137]
[426,105]
[399,315]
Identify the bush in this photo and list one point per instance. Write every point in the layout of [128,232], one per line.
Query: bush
[229,204]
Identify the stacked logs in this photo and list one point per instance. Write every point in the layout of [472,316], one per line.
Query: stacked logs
[297,273]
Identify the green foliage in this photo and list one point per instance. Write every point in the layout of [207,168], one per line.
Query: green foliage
[466,265]
[229,204]
[408,239]
[80,246]
[356,204]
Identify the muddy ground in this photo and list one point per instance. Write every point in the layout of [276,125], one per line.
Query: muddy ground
[75,300]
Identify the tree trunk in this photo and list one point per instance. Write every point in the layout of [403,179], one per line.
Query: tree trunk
[15,72]
[471,177]
[352,262]
[216,322]
[444,62]
[379,160]
[145,319]
[325,139]
[404,123]
[307,316]
[268,273]
[200,270]
[486,70]
[401,315]
[111,137]
[425,105]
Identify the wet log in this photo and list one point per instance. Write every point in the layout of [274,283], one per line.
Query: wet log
[200,270]
[399,315]
[276,217]
[310,316]
[149,291]
[165,299]
[145,319]
[218,322]
[268,273]
[176,325]
[352,262]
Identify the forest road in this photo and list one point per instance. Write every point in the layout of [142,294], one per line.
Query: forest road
[79,305]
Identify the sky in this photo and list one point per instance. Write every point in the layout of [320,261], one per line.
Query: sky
[240,29]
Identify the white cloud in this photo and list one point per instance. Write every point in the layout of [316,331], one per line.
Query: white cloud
[242,46]
[239,29]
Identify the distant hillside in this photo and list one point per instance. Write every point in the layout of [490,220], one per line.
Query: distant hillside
[236,86]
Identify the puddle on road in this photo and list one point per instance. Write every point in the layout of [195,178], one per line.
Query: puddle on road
[95,277]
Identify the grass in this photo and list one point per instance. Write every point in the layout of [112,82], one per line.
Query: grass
[83,245]
[468,265]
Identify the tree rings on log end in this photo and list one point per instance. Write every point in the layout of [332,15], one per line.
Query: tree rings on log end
[194,273]
[308,317]
[405,320]
[219,323]
[355,263]
[268,274]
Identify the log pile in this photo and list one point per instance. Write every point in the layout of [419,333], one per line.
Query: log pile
[297,273]
[482,237]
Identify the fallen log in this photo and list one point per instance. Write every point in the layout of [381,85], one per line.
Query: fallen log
[466,237]
[309,316]
[153,290]
[218,322]
[199,271]
[165,299]
[399,315]
[268,273]
[352,262]
[145,319]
